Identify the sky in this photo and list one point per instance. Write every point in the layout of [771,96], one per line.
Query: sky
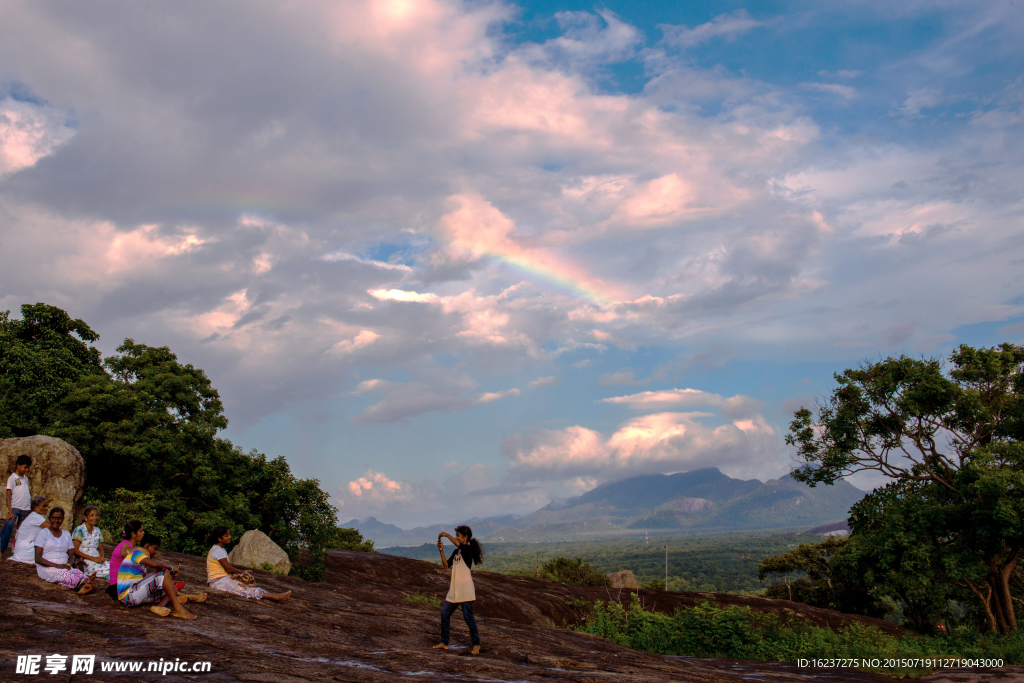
[458,259]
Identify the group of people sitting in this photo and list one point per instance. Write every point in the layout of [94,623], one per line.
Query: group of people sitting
[134,576]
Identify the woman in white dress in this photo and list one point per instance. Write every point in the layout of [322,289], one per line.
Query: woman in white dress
[87,538]
[220,572]
[24,542]
[461,592]
[54,555]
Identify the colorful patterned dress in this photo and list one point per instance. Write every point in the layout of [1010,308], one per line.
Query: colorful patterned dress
[90,545]
[134,586]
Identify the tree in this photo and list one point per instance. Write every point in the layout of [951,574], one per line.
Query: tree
[831,577]
[900,556]
[954,440]
[576,571]
[41,357]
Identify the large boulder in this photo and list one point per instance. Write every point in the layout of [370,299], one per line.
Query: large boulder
[255,548]
[623,579]
[57,472]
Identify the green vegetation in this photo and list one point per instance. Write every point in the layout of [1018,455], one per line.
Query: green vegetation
[708,630]
[421,599]
[951,524]
[576,572]
[822,575]
[147,426]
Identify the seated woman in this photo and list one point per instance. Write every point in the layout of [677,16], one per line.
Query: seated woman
[87,538]
[135,587]
[24,542]
[219,571]
[54,556]
[132,535]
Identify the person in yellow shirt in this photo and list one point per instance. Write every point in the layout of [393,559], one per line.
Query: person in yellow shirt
[219,571]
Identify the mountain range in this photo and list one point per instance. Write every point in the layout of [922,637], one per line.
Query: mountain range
[700,500]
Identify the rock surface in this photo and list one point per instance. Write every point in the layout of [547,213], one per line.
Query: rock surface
[255,548]
[57,472]
[360,625]
[623,579]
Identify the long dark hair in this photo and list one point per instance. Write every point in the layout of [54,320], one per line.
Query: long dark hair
[215,535]
[472,549]
[130,529]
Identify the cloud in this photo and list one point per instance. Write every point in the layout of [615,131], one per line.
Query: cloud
[551,381]
[464,494]
[726,26]
[655,443]
[29,131]
[496,396]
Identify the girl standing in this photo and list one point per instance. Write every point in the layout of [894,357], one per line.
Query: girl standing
[86,539]
[54,555]
[219,571]
[461,593]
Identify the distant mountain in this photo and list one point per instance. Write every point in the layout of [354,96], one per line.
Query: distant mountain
[384,534]
[700,500]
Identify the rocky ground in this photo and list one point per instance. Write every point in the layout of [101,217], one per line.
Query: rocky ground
[359,625]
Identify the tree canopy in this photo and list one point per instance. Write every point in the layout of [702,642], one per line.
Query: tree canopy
[949,438]
[41,356]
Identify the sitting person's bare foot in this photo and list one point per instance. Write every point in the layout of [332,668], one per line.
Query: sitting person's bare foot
[201,597]
[440,646]
[285,596]
[86,587]
[475,650]
[160,611]
[183,614]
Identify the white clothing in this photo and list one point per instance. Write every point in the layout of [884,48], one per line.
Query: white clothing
[24,542]
[55,549]
[461,589]
[229,585]
[21,499]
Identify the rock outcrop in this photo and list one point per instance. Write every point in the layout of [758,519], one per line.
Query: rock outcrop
[255,548]
[57,472]
[367,622]
[623,579]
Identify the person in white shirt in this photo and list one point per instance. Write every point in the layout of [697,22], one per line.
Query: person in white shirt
[19,500]
[461,592]
[220,572]
[24,542]
[54,555]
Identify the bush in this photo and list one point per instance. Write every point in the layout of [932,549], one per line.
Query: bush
[708,630]
[351,539]
[574,571]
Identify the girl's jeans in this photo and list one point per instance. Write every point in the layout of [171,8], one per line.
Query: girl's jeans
[447,609]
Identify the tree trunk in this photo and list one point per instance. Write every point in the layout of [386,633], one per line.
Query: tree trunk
[985,604]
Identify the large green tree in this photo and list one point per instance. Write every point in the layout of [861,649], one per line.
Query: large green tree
[951,435]
[41,356]
[824,574]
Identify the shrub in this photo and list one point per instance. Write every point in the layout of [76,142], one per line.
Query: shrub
[708,630]
[574,571]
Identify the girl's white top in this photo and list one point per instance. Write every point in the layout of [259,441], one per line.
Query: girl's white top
[461,589]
